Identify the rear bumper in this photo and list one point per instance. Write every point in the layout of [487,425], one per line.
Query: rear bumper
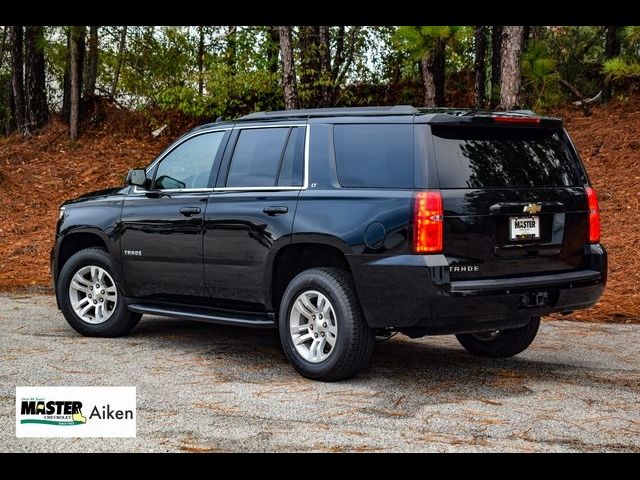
[415,292]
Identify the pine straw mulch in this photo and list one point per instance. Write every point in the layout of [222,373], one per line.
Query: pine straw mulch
[38,173]
[609,143]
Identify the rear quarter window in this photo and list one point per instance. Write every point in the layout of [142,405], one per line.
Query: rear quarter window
[485,157]
[374,155]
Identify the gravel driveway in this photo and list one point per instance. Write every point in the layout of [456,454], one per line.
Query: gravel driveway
[208,388]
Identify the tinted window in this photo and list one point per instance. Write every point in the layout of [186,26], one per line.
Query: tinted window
[477,157]
[189,164]
[256,157]
[291,170]
[375,156]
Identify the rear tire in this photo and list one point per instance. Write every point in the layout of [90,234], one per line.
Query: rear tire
[503,343]
[113,319]
[321,305]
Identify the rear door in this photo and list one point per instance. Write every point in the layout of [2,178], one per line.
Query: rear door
[514,200]
[250,213]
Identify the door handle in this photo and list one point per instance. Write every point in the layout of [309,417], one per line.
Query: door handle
[273,211]
[188,211]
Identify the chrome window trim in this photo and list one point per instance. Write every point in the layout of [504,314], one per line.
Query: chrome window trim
[305,180]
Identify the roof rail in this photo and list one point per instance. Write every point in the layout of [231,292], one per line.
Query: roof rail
[330,112]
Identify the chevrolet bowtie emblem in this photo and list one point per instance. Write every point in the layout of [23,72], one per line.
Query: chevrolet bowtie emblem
[532,208]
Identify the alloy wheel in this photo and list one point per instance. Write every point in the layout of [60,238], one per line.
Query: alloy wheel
[93,294]
[313,326]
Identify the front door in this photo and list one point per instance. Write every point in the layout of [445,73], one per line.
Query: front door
[250,213]
[161,228]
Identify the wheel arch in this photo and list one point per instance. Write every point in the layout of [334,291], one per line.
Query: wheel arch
[79,239]
[296,257]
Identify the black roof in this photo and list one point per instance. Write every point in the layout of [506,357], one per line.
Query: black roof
[436,114]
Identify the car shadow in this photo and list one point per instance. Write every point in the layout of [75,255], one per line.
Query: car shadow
[423,371]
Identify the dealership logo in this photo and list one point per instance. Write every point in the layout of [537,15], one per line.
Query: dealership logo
[52,412]
[75,411]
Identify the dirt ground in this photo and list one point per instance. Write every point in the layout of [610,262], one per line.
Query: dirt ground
[210,388]
[38,173]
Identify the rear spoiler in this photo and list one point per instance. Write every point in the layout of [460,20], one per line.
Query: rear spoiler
[507,119]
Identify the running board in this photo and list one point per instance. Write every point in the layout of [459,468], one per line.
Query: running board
[244,319]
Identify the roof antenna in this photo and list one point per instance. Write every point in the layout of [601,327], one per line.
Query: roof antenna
[219,119]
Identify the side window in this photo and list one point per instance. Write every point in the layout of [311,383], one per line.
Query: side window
[189,164]
[267,157]
[374,155]
[291,169]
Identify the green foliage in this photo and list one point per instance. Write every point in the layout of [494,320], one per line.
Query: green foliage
[461,55]
[618,68]
[419,40]
[631,37]
[541,86]
[579,53]
[161,70]
[380,65]
[627,65]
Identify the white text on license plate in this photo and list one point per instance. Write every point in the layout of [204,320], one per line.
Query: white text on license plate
[524,228]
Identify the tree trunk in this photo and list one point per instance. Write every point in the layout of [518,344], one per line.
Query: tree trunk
[273,48]
[288,69]
[17,76]
[428,81]
[536,32]
[66,83]
[116,73]
[92,63]
[496,58]
[526,35]
[10,118]
[439,62]
[480,38]
[3,43]
[338,58]
[510,68]
[37,110]
[80,33]
[77,35]
[200,61]
[611,49]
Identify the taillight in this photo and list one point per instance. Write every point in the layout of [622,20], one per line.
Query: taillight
[427,222]
[594,216]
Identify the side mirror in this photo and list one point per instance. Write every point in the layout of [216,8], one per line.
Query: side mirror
[137,176]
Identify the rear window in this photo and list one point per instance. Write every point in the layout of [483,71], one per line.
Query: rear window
[484,157]
[374,155]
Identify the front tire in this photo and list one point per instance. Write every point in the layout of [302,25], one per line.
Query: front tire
[90,298]
[501,343]
[322,328]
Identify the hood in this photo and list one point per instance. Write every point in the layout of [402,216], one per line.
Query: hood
[99,195]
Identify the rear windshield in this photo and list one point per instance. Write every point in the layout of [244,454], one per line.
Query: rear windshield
[484,157]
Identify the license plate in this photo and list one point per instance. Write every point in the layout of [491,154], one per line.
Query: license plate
[525,228]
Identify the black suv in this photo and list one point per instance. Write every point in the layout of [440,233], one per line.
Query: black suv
[339,225]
